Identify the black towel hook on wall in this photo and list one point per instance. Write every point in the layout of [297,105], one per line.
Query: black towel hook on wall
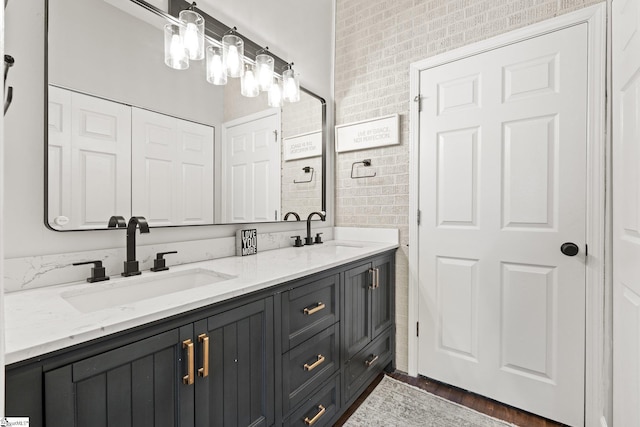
[8,63]
[366,163]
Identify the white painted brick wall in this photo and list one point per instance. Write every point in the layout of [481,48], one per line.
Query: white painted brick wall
[376,40]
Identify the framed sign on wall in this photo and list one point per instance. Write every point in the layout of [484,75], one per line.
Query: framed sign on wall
[302,146]
[371,133]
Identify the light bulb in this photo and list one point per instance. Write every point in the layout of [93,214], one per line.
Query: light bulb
[175,54]
[264,65]
[275,95]
[177,47]
[233,59]
[290,86]
[191,39]
[248,83]
[216,71]
[233,53]
[192,32]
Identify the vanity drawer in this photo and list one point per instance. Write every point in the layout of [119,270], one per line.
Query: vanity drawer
[322,407]
[368,363]
[308,365]
[308,309]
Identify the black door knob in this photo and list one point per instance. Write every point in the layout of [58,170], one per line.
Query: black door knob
[569,249]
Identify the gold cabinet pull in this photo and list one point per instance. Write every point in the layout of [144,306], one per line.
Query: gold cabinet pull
[371,362]
[188,379]
[204,340]
[372,271]
[377,277]
[315,364]
[313,420]
[309,311]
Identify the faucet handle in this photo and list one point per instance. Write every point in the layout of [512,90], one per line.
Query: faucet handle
[298,242]
[159,264]
[97,272]
[318,238]
[117,221]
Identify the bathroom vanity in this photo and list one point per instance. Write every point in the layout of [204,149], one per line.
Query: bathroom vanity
[286,337]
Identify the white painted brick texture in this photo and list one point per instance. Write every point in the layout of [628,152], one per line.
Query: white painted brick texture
[376,40]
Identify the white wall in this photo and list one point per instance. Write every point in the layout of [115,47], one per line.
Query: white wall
[305,29]
[1,230]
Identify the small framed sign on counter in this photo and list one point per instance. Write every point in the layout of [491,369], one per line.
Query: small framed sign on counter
[302,146]
[368,134]
[246,242]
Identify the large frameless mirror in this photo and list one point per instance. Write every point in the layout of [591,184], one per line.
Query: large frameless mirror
[128,135]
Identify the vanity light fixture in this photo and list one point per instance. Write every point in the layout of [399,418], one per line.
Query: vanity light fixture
[290,84]
[216,68]
[175,53]
[192,32]
[264,68]
[248,82]
[185,40]
[274,97]
[233,53]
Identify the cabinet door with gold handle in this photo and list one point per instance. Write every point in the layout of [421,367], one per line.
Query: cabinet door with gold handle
[309,311]
[371,361]
[189,378]
[315,364]
[312,421]
[203,339]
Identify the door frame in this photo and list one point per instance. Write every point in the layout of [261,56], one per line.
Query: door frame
[598,209]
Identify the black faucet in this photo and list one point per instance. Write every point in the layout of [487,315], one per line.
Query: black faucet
[309,240]
[131,265]
[292,213]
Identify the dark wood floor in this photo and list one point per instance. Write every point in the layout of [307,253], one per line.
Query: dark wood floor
[462,397]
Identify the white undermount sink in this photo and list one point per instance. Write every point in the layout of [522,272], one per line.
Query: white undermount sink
[343,244]
[149,285]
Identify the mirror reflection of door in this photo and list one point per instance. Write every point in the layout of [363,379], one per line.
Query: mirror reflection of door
[251,168]
[126,67]
[89,160]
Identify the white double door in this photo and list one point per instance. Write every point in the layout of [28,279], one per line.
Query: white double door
[502,186]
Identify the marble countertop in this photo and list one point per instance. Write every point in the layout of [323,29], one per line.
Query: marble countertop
[41,320]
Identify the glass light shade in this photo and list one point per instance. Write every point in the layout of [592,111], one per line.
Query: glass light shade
[275,94]
[233,54]
[192,33]
[216,70]
[249,83]
[264,65]
[175,54]
[290,86]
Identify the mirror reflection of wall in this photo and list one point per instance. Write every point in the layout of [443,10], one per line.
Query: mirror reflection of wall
[118,58]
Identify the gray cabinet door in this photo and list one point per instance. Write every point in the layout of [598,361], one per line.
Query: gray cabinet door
[382,297]
[239,388]
[136,385]
[357,309]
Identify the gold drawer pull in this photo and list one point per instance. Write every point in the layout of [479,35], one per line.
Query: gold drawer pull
[371,362]
[315,364]
[188,379]
[309,311]
[204,340]
[313,420]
